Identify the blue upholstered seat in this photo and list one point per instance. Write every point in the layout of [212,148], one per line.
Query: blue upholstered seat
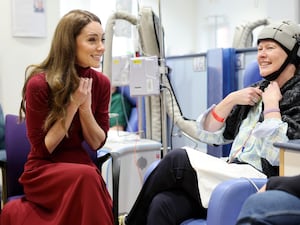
[226,200]
[2,135]
[251,74]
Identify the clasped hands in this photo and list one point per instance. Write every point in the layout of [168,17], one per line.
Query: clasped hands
[82,96]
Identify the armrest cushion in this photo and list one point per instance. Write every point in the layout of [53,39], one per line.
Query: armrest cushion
[291,144]
[102,156]
[228,197]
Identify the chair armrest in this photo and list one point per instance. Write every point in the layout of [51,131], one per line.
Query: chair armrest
[152,166]
[291,144]
[228,197]
[289,157]
[103,156]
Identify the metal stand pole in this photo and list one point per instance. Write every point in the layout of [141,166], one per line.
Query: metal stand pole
[162,73]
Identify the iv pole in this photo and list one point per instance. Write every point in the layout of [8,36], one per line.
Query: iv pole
[163,71]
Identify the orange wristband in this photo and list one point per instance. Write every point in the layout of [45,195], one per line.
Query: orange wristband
[216,116]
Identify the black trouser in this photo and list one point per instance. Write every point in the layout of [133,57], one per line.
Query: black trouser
[170,195]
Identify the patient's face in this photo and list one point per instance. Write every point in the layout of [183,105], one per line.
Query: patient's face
[113,89]
[270,57]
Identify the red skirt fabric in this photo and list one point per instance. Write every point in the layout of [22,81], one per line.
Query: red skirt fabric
[61,194]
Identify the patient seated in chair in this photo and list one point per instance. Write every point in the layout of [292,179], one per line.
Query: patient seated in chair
[120,109]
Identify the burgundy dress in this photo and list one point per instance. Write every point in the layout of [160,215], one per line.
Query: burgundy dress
[65,187]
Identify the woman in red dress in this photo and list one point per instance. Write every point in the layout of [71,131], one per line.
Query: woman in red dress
[65,102]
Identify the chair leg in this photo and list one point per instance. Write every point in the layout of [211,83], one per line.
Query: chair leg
[4,185]
[115,182]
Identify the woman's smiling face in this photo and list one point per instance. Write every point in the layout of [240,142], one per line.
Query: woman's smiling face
[270,56]
[90,45]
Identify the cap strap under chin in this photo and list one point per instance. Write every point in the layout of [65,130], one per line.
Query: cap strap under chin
[274,75]
[292,58]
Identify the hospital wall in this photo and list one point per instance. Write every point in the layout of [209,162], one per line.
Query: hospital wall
[17,53]
[189,29]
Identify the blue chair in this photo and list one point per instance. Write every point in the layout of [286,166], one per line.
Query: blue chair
[2,135]
[17,147]
[226,200]
[251,74]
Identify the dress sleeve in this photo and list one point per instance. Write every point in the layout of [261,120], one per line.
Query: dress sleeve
[288,184]
[100,101]
[214,138]
[37,108]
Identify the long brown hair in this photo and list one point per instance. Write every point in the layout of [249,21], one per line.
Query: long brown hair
[59,66]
